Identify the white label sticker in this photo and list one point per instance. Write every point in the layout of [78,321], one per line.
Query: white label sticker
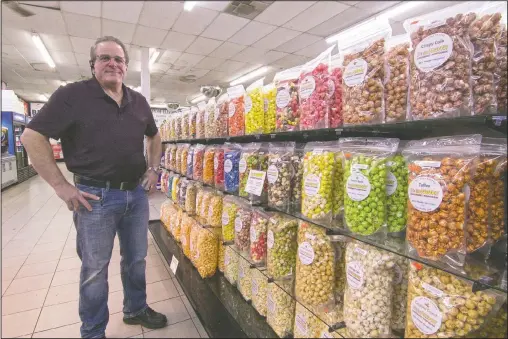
[270,305]
[358,186]
[242,165]
[238,224]
[255,182]
[391,184]
[425,194]
[301,323]
[428,163]
[432,290]
[248,103]
[426,315]
[307,87]
[282,99]
[253,235]
[355,72]
[433,51]
[360,166]
[228,165]
[354,274]
[306,253]
[270,239]
[311,185]
[174,265]
[232,109]
[272,174]
[225,218]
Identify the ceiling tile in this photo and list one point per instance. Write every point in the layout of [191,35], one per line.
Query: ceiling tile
[316,14]
[198,73]
[340,22]
[134,52]
[169,57]
[160,14]
[252,33]
[249,54]
[63,58]
[291,60]
[69,72]
[44,21]
[313,50]
[280,12]
[230,66]
[82,26]
[227,50]
[350,3]
[218,6]
[10,52]
[375,6]
[212,77]
[121,30]
[203,46]
[32,55]
[209,63]
[125,11]
[60,43]
[199,17]
[149,36]
[301,41]
[177,41]
[92,8]
[19,37]
[188,60]
[82,45]
[272,56]
[276,38]
[224,26]
[159,68]
[241,71]
[82,59]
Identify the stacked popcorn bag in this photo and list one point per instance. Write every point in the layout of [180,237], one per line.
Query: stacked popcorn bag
[269,215]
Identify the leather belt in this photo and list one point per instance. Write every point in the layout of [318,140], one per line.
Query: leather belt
[121,185]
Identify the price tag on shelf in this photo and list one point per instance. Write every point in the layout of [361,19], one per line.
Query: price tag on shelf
[174,265]
[255,182]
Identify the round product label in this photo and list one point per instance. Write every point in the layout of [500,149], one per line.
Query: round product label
[232,109]
[248,103]
[228,165]
[307,86]
[306,253]
[282,98]
[242,166]
[426,315]
[238,225]
[270,239]
[391,184]
[433,51]
[272,174]
[354,274]
[425,194]
[225,218]
[253,235]
[357,186]
[311,184]
[355,72]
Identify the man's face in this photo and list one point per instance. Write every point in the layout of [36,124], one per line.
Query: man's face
[110,67]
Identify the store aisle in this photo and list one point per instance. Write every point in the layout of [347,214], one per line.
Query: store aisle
[40,273]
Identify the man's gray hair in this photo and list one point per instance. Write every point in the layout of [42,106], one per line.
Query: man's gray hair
[93,54]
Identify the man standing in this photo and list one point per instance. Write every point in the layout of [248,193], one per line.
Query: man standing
[102,124]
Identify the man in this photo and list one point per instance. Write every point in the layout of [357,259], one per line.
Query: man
[102,124]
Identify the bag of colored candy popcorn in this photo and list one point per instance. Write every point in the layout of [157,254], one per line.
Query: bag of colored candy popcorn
[335,97]
[258,230]
[218,168]
[222,116]
[193,240]
[315,89]
[200,120]
[242,227]
[270,107]
[232,154]
[207,251]
[279,174]
[174,188]
[252,169]
[259,285]
[280,307]
[296,179]
[184,121]
[231,258]
[190,162]
[215,210]
[220,260]
[318,181]
[177,122]
[197,162]
[498,226]
[364,74]
[244,280]
[396,191]
[365,177]
[236,111]
[190,199]
[440,172]
[254,108]
[281,246]
[210,112]
[193,111]
[208,165]
[286,100]
[229,208]
[184,158]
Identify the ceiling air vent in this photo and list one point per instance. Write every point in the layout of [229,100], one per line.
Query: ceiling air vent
[187,78]
[247,9]
[42,67]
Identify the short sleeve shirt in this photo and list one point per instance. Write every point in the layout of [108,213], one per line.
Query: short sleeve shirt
[100,139]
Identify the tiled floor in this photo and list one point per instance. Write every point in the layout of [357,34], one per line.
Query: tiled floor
[40,273]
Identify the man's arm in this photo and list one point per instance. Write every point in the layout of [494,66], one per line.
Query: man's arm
[153,152]
[41,155]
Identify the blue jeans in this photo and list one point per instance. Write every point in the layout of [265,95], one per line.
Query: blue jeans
[125,213]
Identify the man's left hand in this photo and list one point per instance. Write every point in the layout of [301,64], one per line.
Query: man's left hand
[149,180]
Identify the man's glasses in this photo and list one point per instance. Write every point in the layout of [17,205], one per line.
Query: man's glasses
[104,58]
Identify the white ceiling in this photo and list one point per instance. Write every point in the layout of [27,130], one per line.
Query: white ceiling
[214,46]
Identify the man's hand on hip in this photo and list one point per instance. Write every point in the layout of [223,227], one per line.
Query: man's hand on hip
[149,180]
[73,197]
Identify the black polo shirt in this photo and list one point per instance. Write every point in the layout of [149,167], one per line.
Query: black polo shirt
[99,139]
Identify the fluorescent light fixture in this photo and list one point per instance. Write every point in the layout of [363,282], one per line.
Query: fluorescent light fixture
[199,98]
[43,97]
[45,54]
[251,75]
[189,5]
[154,57]
[396,10]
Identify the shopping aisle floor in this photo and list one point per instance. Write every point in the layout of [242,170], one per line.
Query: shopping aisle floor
[40,272]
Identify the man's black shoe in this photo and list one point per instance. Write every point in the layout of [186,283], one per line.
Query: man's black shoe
[149,319]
